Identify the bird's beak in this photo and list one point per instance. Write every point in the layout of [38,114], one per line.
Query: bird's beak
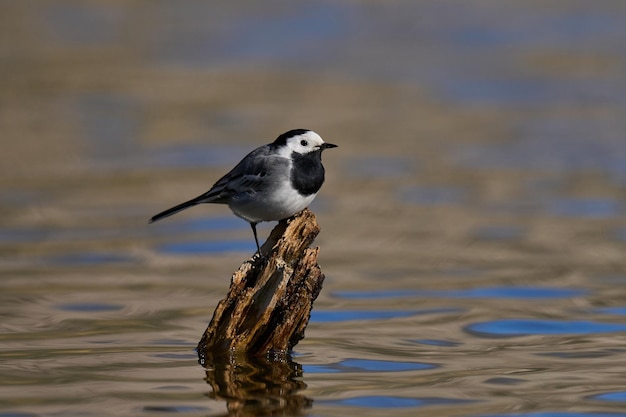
[327,146]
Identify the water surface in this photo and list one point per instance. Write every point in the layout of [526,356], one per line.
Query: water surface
[472,220]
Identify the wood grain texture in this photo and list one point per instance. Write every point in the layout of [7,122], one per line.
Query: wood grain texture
[269,302]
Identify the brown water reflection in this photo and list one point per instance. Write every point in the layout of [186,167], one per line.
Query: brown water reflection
[473,218]
[258,386]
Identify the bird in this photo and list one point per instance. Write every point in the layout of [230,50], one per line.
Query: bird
[271,183]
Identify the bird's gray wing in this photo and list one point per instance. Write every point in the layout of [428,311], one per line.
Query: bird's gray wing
[255,174]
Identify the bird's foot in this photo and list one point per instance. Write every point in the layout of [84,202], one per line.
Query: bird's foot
[259,256]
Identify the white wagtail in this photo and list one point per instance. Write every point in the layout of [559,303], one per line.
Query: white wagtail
[273,182]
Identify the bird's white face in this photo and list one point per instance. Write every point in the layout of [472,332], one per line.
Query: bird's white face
[305,143]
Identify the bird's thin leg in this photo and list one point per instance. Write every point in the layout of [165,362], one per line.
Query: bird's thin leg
[256,239]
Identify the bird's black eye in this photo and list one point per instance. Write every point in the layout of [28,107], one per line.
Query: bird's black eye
[304,142]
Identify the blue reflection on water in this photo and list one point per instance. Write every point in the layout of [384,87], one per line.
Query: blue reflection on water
[169,228]
[372,295]
[261,36]
[552,146]
[367,365]
[12,236]
[110,126]
[510,292]
[621,233]
[192,155]
[619,396]
[432,195]
[381,401]
[200,224]
[436,342]
[500,233]
[18,414]
[378,167]
[349,315]
[89,258]
[82,24]
[490,292]
[584,207]
[384,366]
[89,307]
[299,33]
[205,247]
[334,316]
[185,156]
[555,414]
[320,369]
[499,91]
[523,327]
[611,310]
[515,91]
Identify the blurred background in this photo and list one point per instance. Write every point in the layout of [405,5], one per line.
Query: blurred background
[472,218]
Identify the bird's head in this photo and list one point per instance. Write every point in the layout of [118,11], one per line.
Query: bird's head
[301,141]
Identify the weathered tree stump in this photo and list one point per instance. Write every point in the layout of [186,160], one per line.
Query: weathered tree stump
[269,302]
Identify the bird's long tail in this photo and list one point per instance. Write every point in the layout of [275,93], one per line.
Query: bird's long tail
[176,209]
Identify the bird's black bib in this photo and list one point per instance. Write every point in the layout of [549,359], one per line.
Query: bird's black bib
[307,172]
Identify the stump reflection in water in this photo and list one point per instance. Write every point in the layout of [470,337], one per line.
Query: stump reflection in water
[258,386]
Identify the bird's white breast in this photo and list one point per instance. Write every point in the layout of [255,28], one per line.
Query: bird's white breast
[278,202]
[287,201]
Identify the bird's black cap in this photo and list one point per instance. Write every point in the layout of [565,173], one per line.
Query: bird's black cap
[282,139]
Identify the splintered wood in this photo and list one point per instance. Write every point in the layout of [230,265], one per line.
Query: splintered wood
[269,302]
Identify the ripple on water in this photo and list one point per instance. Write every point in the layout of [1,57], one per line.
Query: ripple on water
[579,148]
[90,258]
[372,295]
[589,208]
[175,409]
[620,311]
[191,156]
[89,307]
[336,316]
[387,402]
[620,234]
[526,327]
[596,208]
[207,247]
[13,236]
[510,292]
[367,365]
[432,195]
[555,414]
[499,233]
[83,24]
[9,414]
[436,342]
[487,292]
[504,381]
[200,224]
[378,167]
[619,396]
